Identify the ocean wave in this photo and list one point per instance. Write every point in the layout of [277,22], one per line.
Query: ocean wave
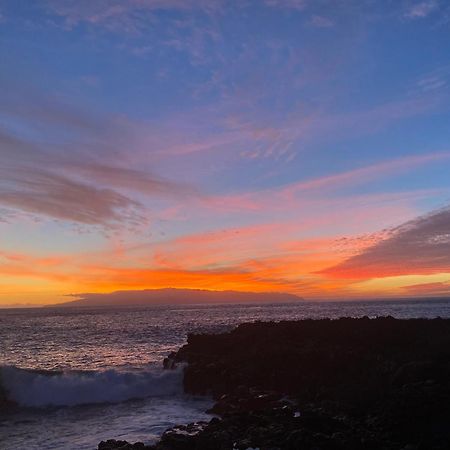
[29,388]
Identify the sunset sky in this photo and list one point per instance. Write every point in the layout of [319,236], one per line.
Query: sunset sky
[299,146]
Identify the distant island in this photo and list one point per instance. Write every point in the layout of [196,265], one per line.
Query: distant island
[172,296]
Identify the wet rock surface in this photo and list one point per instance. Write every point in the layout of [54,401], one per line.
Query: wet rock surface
[112,444]
[319,384]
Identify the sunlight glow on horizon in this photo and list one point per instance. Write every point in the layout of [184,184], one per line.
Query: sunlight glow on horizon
[219,145]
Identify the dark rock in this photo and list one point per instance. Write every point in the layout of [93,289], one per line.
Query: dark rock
[360,384]
[170,362]
[112,444]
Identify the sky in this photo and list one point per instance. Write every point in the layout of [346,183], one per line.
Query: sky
[298,146]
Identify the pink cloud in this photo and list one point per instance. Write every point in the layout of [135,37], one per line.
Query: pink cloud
[428,289]
[321,22]
[364,174]
[421,9]
[420,246]
[121,15]
[281,139]
[290,4]
[285,196]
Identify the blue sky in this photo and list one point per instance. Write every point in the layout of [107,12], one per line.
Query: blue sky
[140,124]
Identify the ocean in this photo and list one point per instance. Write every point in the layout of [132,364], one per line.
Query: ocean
[82,375]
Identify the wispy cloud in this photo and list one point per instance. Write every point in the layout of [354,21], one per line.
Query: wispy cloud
[288,195]
[421,9]
[45,193]
[292,4]
[82,173]
[437,288]
[263,256]
[131,179]
[365,174]
[302,128]
[128,16]
[321,21]
[223,144]
[421,246]
[434,80]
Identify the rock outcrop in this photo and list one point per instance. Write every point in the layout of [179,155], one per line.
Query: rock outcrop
[319,384]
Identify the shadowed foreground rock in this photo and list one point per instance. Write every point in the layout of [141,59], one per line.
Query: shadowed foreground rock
[318,384]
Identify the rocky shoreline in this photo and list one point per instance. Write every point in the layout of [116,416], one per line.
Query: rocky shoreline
[317,384]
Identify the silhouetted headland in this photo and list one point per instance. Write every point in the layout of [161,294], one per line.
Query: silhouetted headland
[178,297]
[317,384]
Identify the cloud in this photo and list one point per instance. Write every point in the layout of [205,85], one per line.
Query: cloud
[292,4]
[72,164]
[420,246]
[364,174]
[421,10]
[99,158]
[220,248]
[437,288]
[46,109]
[289,195]
[122,15]
[274,138]
[59,197]
[434,80]
[132,179]
[264,256]
[432,83]
[106,278]
[321,22]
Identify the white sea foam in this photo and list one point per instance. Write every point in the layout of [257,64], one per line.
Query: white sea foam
[116,338]
[37,389]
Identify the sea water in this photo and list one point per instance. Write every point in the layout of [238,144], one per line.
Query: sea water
[82,375]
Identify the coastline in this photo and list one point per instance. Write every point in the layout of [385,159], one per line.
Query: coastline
[331,384]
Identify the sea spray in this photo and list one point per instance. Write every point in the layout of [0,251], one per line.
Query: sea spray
[29,388]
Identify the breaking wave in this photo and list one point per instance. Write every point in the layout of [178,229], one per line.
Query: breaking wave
[30,388]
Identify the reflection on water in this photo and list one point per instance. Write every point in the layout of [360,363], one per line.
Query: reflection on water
[127,342]
[62,338]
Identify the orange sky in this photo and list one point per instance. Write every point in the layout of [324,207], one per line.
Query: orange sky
[255,258]
[274,145]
